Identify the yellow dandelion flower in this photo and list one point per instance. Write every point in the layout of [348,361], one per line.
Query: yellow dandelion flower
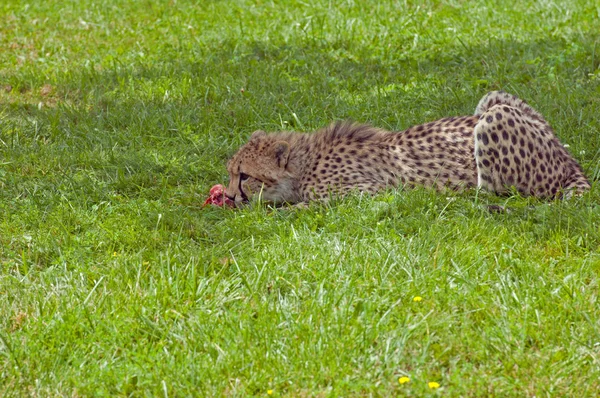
[403,379]
[270,392]
[416,299]
[115,254]
[433,385]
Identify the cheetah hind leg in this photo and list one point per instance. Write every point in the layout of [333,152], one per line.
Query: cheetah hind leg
[503,98]
[516,147]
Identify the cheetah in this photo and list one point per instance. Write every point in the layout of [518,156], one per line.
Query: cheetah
[506,145]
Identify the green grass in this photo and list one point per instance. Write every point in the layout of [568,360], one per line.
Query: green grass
[116,118]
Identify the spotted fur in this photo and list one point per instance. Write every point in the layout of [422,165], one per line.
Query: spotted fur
[505,144]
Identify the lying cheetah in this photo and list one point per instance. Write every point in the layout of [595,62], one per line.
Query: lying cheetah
[505,144]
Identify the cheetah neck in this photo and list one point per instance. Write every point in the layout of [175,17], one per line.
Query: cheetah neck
[301,159]
[302,154]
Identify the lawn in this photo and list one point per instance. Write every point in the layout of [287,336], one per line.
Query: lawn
[116,118]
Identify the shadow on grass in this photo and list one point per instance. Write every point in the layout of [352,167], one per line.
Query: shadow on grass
[146,117]
[163,132]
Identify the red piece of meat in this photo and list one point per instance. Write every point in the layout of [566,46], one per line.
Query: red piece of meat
[217,197]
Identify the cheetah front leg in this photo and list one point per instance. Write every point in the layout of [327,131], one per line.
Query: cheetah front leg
[327,192]
[516,147]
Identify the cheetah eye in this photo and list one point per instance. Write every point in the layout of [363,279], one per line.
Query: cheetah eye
[244,176]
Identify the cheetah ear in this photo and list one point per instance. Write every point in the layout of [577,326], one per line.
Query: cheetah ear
[281,151]
[257,134]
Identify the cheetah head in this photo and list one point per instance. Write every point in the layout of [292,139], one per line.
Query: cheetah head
[259,169]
